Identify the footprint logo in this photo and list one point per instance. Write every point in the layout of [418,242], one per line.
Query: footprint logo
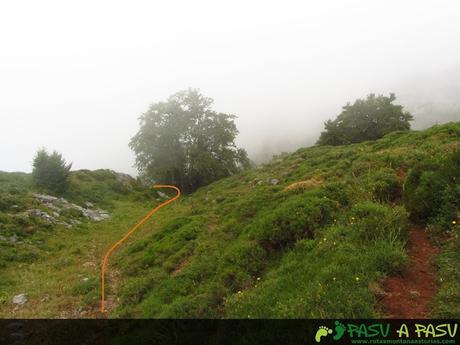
[339,330]
[321,332]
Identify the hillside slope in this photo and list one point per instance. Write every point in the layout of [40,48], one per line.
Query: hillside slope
[312,234]
[51,248]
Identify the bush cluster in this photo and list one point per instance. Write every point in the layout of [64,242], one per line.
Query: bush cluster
[295,219]
[432,192]
[385,186]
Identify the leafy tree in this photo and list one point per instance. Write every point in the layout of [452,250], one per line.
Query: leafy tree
[365,119]
[50,171]
[183,141]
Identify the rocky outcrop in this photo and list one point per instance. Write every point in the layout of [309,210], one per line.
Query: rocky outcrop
[126,180]
[57,205]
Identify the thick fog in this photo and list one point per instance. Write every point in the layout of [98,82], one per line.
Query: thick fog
[75,76]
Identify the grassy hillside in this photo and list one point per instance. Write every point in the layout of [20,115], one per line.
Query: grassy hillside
[309,235]
[101,187]
[29,241]
[312,234]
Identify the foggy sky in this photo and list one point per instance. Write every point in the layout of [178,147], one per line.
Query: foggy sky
[75,76]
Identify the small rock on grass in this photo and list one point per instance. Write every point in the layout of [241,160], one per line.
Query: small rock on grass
[163,195]
[20,299]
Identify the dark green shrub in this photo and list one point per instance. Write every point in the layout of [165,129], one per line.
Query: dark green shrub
[385,186]
[248,256]
[432,192]
[423,193]
[295,219]
[339,191]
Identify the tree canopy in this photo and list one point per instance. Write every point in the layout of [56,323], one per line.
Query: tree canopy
[50,171]
[365,119]
[183,141]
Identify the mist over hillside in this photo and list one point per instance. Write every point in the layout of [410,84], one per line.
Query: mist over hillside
[282,67]
[432,98]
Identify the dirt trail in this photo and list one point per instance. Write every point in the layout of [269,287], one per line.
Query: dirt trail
[407,296]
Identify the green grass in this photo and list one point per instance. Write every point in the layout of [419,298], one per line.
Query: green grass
[433,197]
[55,282]
[242,247]
[314,245]
[446,304]
[49,261]
[102,187]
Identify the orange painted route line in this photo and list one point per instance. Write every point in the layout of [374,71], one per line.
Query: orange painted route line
[134,228]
